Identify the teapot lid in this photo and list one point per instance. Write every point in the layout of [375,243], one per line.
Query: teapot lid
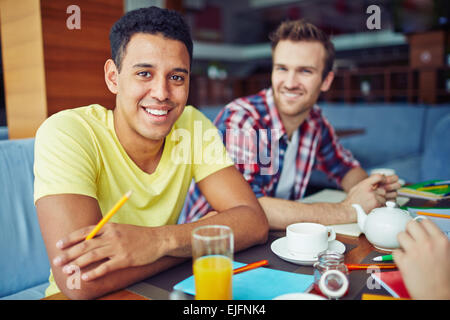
[391,206]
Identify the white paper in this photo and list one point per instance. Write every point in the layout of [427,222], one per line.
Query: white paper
[334,196]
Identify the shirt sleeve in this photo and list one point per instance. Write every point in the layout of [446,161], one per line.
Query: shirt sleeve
[209,153]
[240,132]
[66,160]
[332,158]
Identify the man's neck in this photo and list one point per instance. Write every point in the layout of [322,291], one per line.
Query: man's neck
[145,153]
[292,123]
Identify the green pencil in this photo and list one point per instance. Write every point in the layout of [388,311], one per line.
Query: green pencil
[384,258]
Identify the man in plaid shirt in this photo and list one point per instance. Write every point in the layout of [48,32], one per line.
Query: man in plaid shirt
[278,136]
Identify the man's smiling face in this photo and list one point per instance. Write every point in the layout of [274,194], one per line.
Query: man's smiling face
[153,85]
[297,76]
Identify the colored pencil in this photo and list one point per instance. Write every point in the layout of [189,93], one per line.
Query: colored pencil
[369,296]
[437,215]
[384,258]
[109,215]
[443,186]
[251,266]
[439,183]
[363,266]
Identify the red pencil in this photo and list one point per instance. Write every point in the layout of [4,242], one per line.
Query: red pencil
[352,266]
[251,266]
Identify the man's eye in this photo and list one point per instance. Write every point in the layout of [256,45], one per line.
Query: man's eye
[177,78]
[144,74]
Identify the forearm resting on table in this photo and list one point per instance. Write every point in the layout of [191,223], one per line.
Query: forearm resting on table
[281,213]
[174,244]
[246,231]
[113,281]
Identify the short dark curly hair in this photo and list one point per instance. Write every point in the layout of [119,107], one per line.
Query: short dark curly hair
[152,20]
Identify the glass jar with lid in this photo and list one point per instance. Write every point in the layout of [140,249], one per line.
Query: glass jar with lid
[331,275]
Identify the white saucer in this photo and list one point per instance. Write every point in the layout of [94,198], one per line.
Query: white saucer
[383,249]
[299,296]
[279,247]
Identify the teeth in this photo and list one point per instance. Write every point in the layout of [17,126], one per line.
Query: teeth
[290,95]
[156,112]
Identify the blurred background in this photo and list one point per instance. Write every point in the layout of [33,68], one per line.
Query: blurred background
[389,103]
[392,65]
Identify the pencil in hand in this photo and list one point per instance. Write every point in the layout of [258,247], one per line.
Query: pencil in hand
[109,215]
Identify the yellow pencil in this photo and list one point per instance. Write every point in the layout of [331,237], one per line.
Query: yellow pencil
[109,215]
[369,296]
[437,215]
[433,187]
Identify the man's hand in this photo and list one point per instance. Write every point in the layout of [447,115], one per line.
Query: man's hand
[367,193]
[389,187]
[424,260]
[116,246]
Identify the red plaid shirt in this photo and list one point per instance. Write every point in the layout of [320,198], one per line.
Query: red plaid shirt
[256,140]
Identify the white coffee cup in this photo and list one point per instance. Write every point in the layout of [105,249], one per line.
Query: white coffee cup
[384,171]
[308,238]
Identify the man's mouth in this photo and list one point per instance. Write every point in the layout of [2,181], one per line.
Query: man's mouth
[156,112]
[159,115]
[291,95]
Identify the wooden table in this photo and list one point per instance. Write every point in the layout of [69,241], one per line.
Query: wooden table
[159,286]
[355,255]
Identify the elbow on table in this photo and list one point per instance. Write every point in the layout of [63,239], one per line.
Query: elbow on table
[83,293]
[79,294]
[263,229]
[74,288]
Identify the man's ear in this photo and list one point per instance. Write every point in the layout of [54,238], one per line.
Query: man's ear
[111,75]
[326,83]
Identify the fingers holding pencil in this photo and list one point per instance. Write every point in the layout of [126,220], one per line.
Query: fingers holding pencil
[89,232]
[109,215]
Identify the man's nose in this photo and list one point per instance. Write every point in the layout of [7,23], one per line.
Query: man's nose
[291,80]
[159,89]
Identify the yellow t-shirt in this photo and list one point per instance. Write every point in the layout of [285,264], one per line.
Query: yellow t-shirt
[77,151]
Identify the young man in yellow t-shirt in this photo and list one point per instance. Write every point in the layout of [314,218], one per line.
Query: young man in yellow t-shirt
[87,158]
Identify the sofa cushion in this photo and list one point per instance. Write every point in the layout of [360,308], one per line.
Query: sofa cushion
[435,160]
[33,293]
[407,168]
[392,131]
[433,115]
[211,112]
[3,133]
[24,262]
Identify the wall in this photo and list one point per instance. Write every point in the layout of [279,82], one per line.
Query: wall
[23,67]
[74,59]
[48,67]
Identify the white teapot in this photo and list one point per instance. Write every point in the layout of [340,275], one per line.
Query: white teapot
[382,225]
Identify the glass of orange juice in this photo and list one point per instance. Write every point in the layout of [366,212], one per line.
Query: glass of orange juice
[212,253]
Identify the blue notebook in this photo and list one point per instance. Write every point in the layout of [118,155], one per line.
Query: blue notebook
[259,284]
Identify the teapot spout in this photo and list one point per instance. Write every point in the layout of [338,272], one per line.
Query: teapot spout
[362,216]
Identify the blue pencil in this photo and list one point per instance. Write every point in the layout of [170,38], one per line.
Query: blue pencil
[439,183]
